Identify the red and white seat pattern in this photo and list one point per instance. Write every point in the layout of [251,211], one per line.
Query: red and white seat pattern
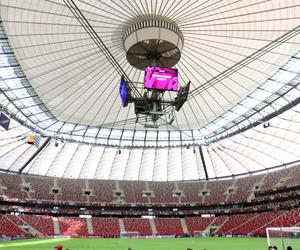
[107,227]
[9,228]
[73,226]
[42,223]
[168,226]
[142,226]
[197,224]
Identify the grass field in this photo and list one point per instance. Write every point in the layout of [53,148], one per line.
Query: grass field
[142,244]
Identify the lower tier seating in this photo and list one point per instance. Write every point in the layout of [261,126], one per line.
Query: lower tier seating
[42,223]
[239,224]
[9,228]
[73,226]
[142,226]
[107,227]
[168,226]
[197,224]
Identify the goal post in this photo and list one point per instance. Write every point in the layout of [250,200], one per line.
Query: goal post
[129,234]
[282,237]
[200,234]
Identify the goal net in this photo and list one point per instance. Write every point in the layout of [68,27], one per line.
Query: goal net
[282,237]
[200,234]
[129,234]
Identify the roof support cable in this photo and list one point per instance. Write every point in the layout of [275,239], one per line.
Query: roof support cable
[100,44]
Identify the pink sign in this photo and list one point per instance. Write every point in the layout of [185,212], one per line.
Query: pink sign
[161,78]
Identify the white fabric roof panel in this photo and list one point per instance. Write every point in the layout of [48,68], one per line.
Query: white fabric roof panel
[254,150]
[78,85]
[53,78]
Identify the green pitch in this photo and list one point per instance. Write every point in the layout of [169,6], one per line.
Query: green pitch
[141,244]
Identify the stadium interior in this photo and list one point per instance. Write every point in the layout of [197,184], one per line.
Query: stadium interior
[149,119]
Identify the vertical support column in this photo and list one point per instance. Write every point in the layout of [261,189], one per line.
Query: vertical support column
[56,226]
[203,162]
[184,226]
[153,226]
[122,227]
[89,225]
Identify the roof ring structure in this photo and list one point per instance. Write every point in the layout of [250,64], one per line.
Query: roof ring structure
[151,42]
[241,57]
[242,114]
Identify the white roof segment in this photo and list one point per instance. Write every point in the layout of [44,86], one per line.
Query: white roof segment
[230,48]
[257,149]
[242,58]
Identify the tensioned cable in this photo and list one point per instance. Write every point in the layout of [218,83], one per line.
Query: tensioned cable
[222,23]
[228,166]
[252,79]
[277,111]
[207,92]
[107,10]
[200,108]
[225,86]
[201,48]
[92,69]
[47,12]
[247,38]
[16,145]
[209,73]
[113,16]
[120,107]
[213,166]
[59,67]
[129,9]
[186,7]
[263,142]
[109,97]
[193,39]
[200,13]
[227,156]
[94,36]
[246,146]
[277,137]
[150,9]
[95,80]
[237,156]
[72,69]
[277,42]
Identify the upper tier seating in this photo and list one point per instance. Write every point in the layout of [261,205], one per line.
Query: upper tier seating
[217,191]
[133,191]
[244,187]
[41,187]
[104,191]
[13,186]
[272,179]
[191,191]
[71,190]
[163,192]
[294,178]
